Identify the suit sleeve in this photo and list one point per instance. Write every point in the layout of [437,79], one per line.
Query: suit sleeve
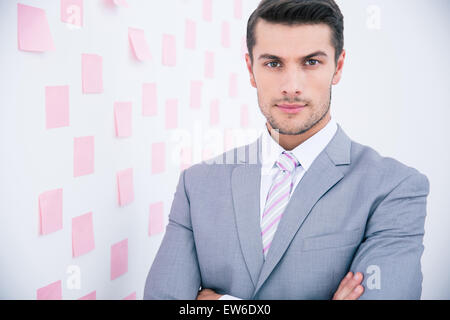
[389,257]
[175,273]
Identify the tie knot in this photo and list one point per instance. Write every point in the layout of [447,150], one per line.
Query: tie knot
[287,161]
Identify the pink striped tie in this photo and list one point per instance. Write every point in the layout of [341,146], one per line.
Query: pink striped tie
[277,198]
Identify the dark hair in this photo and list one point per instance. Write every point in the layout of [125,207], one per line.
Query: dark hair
[298,12]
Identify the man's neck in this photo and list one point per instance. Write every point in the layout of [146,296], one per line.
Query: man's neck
[290,142]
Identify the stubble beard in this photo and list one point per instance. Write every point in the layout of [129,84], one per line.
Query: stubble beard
[309,123]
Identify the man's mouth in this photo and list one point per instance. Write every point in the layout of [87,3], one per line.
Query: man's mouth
[291,108]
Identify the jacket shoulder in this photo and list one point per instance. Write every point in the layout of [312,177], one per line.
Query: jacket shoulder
[372,162]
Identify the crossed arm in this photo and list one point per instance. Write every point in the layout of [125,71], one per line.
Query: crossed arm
[350,288]
[390,255]
[392,248]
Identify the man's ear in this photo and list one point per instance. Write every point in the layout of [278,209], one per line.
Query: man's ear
[340,65]
[250,71]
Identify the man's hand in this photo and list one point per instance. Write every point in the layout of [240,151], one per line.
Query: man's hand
[350,287]
[208,294]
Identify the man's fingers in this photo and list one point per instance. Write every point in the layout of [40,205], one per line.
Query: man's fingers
[348,286]
[351,285]
[202,293]
[347,277]
[344,281]
[207,291]
[355,293]
[208,294]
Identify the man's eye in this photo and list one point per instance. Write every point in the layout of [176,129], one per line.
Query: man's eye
[271,64]
[312,62]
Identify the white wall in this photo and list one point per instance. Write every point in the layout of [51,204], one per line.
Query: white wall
[393,97]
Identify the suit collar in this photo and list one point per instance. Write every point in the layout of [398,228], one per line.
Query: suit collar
[338,149]
[305,153]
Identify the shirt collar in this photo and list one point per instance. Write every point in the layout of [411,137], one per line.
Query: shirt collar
[305,153]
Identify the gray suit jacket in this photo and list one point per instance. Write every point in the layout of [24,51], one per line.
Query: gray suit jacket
[353,210]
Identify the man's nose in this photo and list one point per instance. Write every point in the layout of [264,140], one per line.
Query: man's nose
[292,83]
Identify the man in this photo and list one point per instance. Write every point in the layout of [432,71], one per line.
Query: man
[303,206]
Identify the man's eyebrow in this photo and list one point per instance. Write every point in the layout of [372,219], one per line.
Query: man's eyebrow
[309,56]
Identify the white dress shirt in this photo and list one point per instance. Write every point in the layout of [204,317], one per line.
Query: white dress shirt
[305,153]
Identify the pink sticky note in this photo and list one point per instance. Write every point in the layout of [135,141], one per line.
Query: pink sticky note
[169,54]
[190,34]
[130,297]
[72,12]
[33,31]
[51,292]
[149,99]
[89,296]
[83,156]
[207,10]
[156,218]
[233,85]
[139,44]
[225,38]
[209,64]
[122,117]
[185,158]
[196,94]
[82,234]
[158,157]
[91,69]
[125,186]
[238,9]
[214,112]
[121,3]
[50,211]
[244,116]
[57,106]
[119,258]
[171,114]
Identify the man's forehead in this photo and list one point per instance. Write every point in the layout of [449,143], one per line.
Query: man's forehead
[303,37]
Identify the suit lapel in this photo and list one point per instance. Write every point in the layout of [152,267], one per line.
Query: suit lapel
[246,207]
[245,184]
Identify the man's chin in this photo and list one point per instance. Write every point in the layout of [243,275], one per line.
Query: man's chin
[289,131]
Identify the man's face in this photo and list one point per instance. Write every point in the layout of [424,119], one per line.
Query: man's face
[302,74]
